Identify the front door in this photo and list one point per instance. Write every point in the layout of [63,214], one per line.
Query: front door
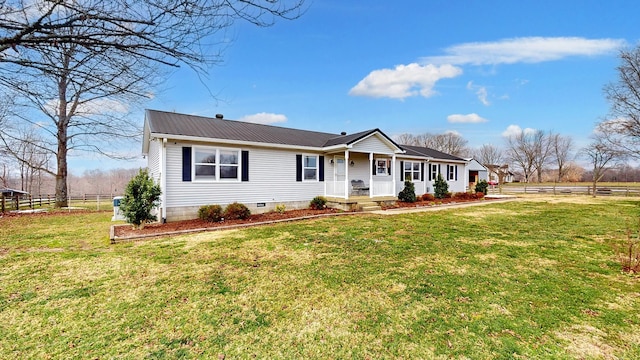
[339,169]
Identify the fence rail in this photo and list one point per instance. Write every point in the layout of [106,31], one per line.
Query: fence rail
[24,202]
[566,190]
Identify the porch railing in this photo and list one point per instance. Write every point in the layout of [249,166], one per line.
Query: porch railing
[379,188]
[335,188]
[382,188]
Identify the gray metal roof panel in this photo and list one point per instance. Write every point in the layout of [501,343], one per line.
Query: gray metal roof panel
[424,151]
[169,123]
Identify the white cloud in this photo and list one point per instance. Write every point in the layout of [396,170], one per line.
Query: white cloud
[404,81]
[525,49]
[466,119]
[515,130]
[481,91]
[264,118]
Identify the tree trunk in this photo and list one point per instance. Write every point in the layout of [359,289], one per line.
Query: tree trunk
[61,175]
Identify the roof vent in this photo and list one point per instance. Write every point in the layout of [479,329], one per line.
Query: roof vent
[219,116]
[343,133]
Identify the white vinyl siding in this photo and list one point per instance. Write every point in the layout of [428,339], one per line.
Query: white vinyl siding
[372,144]
[153,160]
[272,178]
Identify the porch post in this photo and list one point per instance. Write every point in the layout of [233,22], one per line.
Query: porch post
[393,174]
[370,175]
[346,174]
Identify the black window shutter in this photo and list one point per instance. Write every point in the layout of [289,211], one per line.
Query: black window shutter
[430,170]
[421,171]
[401,170]
[373,167]
[298,167]
[389,165]
[456,172]
[244,160]
[321,168]
[439,169]
[186,163]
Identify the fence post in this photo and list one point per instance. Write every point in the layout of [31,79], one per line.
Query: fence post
[3,203]
[17,202]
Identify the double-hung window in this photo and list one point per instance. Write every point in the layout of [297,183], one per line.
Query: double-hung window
[228,164]
[433,169]
[212,164]
[382,167]
[310,167]
[205,164]
[411,171]
[451,172]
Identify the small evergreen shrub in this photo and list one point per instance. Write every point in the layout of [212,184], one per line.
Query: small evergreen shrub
[210,213]
[141,195]
[408,194]
[440,187]
[428,197]
[236,210]
[281,208]
[482,186]
[318,203]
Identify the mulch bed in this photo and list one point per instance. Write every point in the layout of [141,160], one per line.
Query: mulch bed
[420,203]
[125,231]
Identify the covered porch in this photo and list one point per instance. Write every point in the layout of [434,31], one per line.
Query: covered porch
[357,175]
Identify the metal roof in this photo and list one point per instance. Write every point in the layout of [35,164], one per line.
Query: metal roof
[169,123]
[428,152]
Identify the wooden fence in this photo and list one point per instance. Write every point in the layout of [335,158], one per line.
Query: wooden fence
[566,190]
[24,202]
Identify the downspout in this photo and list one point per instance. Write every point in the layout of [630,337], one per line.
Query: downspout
[163,179]
[427,167]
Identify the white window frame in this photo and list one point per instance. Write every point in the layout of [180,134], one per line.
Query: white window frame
[316,168]
[433,170]
[451,172]
[218,164]
[411,170]
[387,166]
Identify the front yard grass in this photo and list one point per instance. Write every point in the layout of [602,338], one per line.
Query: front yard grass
[530,279]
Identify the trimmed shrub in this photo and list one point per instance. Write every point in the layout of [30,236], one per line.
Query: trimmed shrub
[428,197]
[440,187]
[281,208]
[236,210]
[479,195]
[210,213]
[408,194]
[482,186]
[463,196]
[141,195]
[318,203]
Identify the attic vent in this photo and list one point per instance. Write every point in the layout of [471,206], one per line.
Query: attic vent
[343,133]
[219,116]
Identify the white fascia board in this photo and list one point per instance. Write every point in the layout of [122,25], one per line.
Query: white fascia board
[237,142]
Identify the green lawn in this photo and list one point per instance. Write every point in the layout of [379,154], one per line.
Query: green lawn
[525,279]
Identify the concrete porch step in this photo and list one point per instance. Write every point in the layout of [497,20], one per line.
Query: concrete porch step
[369,206]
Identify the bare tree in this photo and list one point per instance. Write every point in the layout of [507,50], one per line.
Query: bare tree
[600,154]
[622,130]
[562,152]
[77,63]
[449,142]
[521,152]
[493,158]
[406,139]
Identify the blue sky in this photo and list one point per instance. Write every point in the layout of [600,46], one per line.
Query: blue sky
[479,68]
